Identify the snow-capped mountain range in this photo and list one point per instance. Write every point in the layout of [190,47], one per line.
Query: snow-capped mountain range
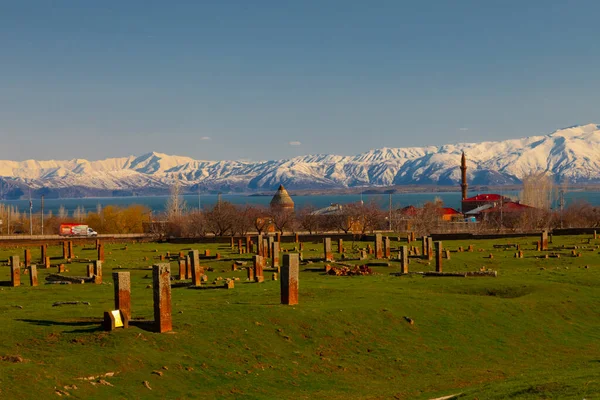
[572,153]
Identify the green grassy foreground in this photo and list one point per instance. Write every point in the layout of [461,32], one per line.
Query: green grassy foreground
[531,333]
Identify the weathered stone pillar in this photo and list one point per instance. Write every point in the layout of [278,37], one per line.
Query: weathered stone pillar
[33,279]
[289,279]
[301,246]
[161,285]
[239,245]
[122,285]
[430,248]
[275,254]
[65,250]
[258,262]
[43,253]
[195,261]
[250,271]
[425,251]
[231,243]
[182,269]
[447,254]
[248,240]
[327,249]
[296,238]
[101,251]
[97,271]
[270,241]
[47,262]
[340,246]
[438,256]
[265,248]
[70,252]
[259,245]
[363,254]
[97,243]
[387,247]
[188,267]
[15,271]
[378,246]
[27,257]
[404,259]
[90,270]
[278,237]
[544,240]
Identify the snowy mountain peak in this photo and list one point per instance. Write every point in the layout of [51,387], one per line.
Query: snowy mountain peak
[570,153]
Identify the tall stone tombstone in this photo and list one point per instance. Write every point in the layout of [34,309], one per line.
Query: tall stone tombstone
[258,262]
[250,271]
[265,248]
[387,247]
[296,238]
[97,271]
[122,285]
[15,271]
[161,285]
[101,251]
[70,252]
[430,248]
[43,253]
[425,243]
[47,262]
[33,278]
[232,246]
[188,267]
[259,245]
[90,270]
[438,256]
[65,250]
[27,257]
[248,240]
[182,269]
[240,249]
[404,259]
[195,261]
[289,279]
[97,243]
[275,254]
[328,254]
[278,237]
[544,240]
[340,246]
[271,240]
[378,246]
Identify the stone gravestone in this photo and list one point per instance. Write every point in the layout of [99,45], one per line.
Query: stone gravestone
[296,238]
[270,240]
[182,269]
[97,271]
[33,279]
[430,248]
[90,270]
[289,279]
[101,251]
[239,244]
[438,256]
[340,246]
[248,240]
[278,237]
[195,261]
[275,254]
[250,271]
[161,285]
[363,254]
[265,248]
[258,262]
[44,253]
[122,285]
[15,271]
[65,250]
[207,253]
[70,252]
[544,240]
[447,254]
[404,259]
[232,246]
[424,247]
[387,247]
[27,257]
[188,267]
[378,246]
[327,249]
[259,245]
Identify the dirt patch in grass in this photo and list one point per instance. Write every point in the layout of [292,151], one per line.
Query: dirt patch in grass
[505,292]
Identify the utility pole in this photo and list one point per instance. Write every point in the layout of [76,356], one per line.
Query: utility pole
[390,216]
[42,213]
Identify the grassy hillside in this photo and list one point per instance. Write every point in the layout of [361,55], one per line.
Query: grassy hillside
[533,332]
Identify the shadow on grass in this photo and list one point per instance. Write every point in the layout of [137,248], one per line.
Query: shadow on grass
[145,325]
[93,324]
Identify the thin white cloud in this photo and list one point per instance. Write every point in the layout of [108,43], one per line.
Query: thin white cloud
[295,143]
[463,129]
[205,138]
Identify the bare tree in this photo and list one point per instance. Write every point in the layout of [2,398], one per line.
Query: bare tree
[308,220]
[538,190]
[175,204]
[220,219]
[282,219]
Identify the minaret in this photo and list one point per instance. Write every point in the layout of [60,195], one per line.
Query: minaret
[463,170]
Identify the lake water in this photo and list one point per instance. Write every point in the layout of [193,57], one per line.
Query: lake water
[157,203]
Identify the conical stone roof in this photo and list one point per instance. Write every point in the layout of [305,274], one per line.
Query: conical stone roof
[282,199]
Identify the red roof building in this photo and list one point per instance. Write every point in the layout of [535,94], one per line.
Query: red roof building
[492,199]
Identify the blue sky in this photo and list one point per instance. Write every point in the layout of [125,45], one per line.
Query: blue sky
[244,79]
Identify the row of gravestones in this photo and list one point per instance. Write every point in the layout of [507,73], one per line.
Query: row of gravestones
[161,277]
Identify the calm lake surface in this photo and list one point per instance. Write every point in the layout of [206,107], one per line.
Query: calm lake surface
[157,203]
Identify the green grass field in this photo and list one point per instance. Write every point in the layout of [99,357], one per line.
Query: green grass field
[531,333]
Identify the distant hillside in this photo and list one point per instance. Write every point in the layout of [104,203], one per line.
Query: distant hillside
[570,153]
